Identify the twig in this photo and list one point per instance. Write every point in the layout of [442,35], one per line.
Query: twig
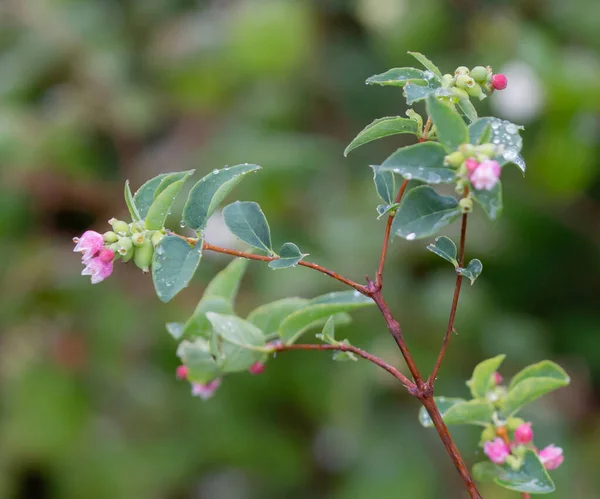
[357,351]
[386,238]
[457,286]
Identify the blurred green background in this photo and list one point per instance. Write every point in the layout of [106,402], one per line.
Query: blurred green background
[93,92]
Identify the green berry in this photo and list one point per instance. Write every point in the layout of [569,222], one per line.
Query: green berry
[466,205]
[136,227]
[462,70]
[488,434]
[142,256]
[110,237]
[454,159]
[138,239]
[465,81]
[475,91]
[488,150]
[459,92]
[447,80]
[120,227]
[479,73]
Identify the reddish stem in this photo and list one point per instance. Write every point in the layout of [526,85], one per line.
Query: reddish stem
[357,351]
[386,238]
[457,286]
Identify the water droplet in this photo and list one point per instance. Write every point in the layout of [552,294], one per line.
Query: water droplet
[356,293]
[511,128]
[495,125]
[428,75]
[160,250]
[407,176]
[434,178]
[496,140]
[182,224]
[411,236]
[510,154]
[215,171]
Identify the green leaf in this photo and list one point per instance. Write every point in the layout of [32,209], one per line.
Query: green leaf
[163,200]
[451,129]
[210,191]
[486,471]
[427,64]
[196,356]
[145,195]
[482,380]
[445,248]
[532,478]
[503,133]
[289,256]
[382,127]
[384,209]
[490,201]
[459,411]
[318,308]
[328,333]
[218,297]
[443,404]
[423,161]
[339,356]
[531,383]
[241,342]
[467,110]
[472,270]
[246,221]
[173,265]
[171,178]
[385,184]
[415,93]
[268,317]
[135,216]
[398,77]
[175,329]
[423,212]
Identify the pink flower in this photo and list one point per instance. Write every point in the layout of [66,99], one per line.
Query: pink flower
[90,243]
[256,368]
[181,372]
[471,164]
[97,269]
[496,450]
[551,457]
[207,390]
[499,81]
[497,378]
[524,433]
[486,175]
[106,255]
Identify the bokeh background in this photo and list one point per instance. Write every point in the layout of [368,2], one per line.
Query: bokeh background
[93,92]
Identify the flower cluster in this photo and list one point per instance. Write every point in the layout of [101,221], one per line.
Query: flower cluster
[500,448]
[477,82]
[125,241]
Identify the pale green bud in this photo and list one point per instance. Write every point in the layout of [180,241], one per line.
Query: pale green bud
[138,239]
[514,462]
[465,81]
[475,91]
[467,149]
[488,434]
[488,150]
[479,73]
[454,159]
[466,205]
[461,70]
[120,227]
[110,237]
[447,80]
[142,256]
[125,248]
[157,237]
[136,227]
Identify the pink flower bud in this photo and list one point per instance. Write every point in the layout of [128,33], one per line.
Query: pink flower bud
[97,269]
[524,434]
[471,164]
[256,368]
[551,457]
[90,243]
[496,450]
[498,378]
[181,372]
[205,391]
[486,175]
[106,255]
[499,81]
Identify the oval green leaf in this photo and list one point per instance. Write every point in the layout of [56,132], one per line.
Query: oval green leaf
[467,110]
[173,266]
[289,256]
[268,317]
[459,411]
[161,206]
[196,356]
[482,379]
[472,270]
[246,221]
[133,211]
[210,191]
[486,471]
[398,77]
[382,127]
[423,161]
[531,478]
[427,64]
[443,404]
[385,184]
[170,179]
[423,212]
[445,248]
[503,133]
[451,129]
[144,196]
[490,201]
[320,308]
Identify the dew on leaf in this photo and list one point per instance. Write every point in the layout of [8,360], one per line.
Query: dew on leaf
[411,236]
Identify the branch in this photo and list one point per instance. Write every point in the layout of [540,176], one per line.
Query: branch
[386,238]
[450,328]
[357,351]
